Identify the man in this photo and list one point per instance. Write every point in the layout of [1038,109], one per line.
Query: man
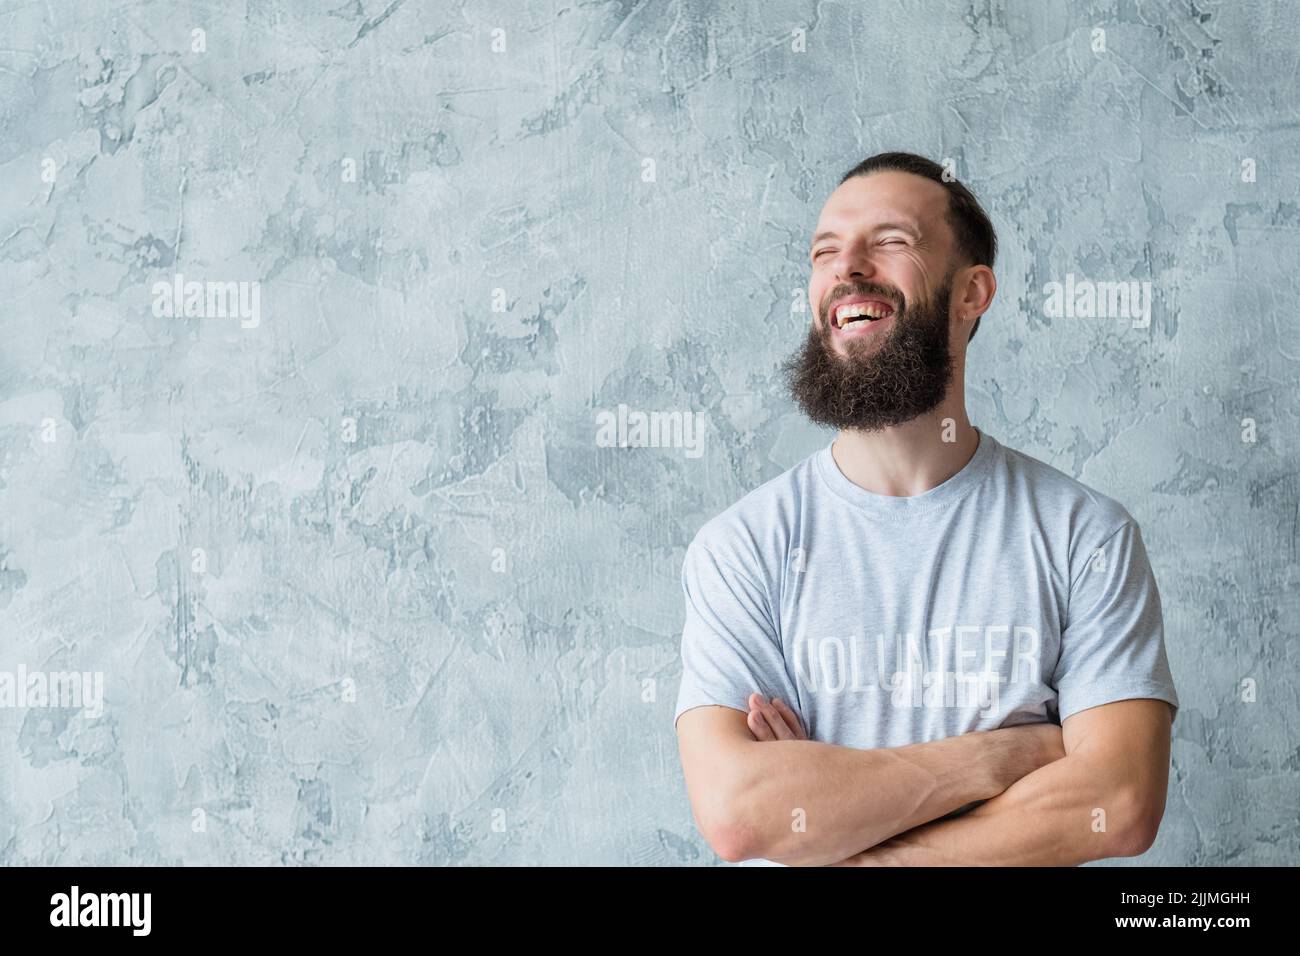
[917,620]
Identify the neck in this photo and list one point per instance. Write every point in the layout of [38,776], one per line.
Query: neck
[911,458]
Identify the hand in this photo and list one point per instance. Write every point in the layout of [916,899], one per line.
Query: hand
[773,720]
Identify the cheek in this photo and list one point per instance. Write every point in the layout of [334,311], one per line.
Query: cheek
[817,290]
[914,278]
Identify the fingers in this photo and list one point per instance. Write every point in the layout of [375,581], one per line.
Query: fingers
[767,717]
[758,726]
[791,718]
[775,720]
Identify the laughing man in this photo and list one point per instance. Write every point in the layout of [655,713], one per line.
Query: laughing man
[918,646]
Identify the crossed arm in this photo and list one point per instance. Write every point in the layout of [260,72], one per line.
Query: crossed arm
[1090,789]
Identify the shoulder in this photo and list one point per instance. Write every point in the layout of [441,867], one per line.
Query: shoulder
[1064,505]
[753,533]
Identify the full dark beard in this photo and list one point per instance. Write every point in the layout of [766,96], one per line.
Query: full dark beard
[906,376]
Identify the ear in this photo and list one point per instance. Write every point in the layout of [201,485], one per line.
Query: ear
[973,290]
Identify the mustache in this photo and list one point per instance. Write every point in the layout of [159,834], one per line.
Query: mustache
[905,376]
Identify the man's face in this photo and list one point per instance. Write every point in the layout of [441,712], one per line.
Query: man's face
[882,247]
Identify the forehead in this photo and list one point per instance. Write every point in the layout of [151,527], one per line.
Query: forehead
[887,196]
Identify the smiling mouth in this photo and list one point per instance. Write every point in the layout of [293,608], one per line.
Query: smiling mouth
[860,313]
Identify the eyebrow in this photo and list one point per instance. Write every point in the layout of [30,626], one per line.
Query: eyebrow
[906,227]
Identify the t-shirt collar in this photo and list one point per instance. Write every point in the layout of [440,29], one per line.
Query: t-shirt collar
[905,506]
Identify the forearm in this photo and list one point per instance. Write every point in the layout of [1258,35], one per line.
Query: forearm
[1068,812]
[806,803]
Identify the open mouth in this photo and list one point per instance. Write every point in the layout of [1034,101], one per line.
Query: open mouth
[859,313]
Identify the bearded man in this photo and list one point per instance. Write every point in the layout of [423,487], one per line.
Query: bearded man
[918,646]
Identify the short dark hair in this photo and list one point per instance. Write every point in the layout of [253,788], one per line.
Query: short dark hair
[971,225]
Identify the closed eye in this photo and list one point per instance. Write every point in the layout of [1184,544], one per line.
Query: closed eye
[884,242]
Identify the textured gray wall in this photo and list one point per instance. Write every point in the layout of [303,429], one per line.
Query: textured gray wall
[450,635]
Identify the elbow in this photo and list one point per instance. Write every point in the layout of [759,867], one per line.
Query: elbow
[728,827]
[731,841]
[1140,824]
[1140,838]
[728,832]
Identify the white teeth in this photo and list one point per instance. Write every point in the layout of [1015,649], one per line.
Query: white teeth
[869,309]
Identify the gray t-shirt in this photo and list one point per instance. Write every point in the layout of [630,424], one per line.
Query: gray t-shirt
[1009,594]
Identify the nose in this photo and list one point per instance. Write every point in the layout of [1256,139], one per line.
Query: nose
[854,262]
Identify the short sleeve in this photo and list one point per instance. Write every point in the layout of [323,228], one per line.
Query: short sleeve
[1113,646]
[730,647]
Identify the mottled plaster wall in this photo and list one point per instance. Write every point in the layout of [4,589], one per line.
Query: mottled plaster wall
[362,584]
